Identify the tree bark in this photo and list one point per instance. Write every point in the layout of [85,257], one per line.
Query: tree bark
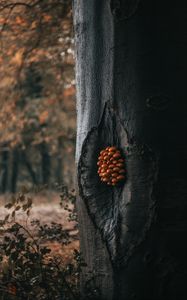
[131,93]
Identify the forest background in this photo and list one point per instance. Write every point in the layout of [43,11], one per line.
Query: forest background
[37,94]
[37,146]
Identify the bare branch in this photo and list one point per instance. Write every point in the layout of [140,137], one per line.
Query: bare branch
[16,4]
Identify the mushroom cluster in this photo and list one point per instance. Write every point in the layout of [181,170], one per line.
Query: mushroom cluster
[111,167]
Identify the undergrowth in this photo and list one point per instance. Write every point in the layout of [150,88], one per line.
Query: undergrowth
[28,269]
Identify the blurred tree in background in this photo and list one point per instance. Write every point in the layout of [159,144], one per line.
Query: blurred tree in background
[37,93]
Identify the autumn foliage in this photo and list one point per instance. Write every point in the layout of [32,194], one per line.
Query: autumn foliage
[37,91]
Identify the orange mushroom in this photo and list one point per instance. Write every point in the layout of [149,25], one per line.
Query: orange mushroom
[111,167]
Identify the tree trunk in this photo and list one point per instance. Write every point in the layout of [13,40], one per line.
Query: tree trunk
[28,165]
[4,174]
[131,93]
[15,167]
[59,168]
[45,163]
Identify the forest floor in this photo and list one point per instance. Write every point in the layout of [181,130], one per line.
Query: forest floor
[46,207]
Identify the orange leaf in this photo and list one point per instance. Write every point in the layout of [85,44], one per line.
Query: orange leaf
[69,91]
[20,21]
[47,18]
[43,117]
[17,58]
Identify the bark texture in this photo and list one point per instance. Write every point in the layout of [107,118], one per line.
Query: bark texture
[131,93]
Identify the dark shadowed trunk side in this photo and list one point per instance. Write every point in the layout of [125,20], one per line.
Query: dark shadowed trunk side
[131,92]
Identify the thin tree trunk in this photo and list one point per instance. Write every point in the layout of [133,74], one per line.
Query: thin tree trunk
[131,93]
[15,167]
[4,176]
[45,163]
[59,161]
[28,165]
